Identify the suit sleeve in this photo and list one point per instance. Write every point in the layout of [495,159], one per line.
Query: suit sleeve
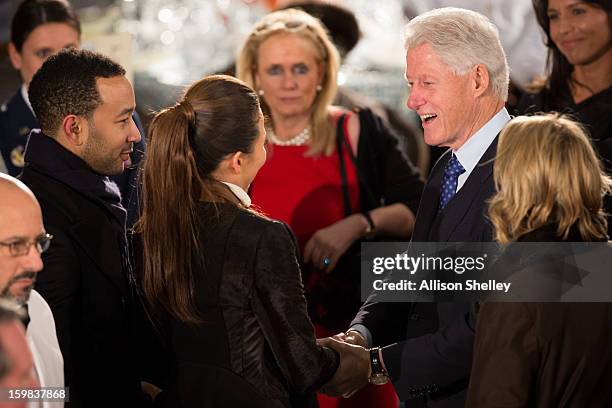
[505,357]
[58,284]
[436,363]
[280,303]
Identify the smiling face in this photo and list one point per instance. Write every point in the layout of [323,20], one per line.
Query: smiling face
[580,30]
[444,100]
[288,72]
[21,221]
[112,131]
[46,40]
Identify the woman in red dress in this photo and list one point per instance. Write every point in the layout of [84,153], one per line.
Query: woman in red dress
[336,177]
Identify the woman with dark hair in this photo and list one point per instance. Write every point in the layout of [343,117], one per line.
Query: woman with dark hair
[336,177]
[221,281]
[39,29]
[579,40]
[550,186]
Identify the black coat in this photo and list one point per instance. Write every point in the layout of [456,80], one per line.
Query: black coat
[255,346]
[430,355]
[84,279]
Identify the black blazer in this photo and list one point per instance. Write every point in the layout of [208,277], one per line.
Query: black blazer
[255,346]
[84,277]
[430,358]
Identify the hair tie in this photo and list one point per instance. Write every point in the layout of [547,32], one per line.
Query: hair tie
[187,108]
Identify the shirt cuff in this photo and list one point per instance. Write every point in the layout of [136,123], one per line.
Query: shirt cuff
[364,331]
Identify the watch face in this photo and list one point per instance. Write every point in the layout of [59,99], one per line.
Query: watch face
[379,379]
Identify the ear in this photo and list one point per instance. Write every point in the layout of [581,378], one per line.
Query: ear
[480,79]
[15,56]
[235,162]
[74,129]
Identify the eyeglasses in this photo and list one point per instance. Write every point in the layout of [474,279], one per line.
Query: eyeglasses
[22,247]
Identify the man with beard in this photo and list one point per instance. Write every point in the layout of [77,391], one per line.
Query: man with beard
[84,104]
[22,240]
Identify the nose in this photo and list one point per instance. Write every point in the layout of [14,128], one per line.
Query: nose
[415,99]
[32,260]
[289,81]
[134,136]
[565,24]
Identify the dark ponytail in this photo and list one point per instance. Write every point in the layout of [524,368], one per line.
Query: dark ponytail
[217,117]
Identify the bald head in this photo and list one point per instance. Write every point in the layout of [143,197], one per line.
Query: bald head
[21,222]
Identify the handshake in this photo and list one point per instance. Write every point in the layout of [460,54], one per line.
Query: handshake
[355,369]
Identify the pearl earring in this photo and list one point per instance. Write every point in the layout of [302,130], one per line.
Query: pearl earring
[260,92]
[319,88]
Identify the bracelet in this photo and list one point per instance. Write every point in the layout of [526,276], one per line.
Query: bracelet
[371,228]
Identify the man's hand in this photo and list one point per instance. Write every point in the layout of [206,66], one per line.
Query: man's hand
[352,337]
[354,370]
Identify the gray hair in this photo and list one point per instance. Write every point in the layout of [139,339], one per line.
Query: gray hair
[462,38]
[9,312]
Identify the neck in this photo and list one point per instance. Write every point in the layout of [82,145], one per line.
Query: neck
[596,76]
[287,127]
[483,112]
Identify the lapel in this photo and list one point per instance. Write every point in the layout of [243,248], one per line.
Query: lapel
[428,206]
[469,195]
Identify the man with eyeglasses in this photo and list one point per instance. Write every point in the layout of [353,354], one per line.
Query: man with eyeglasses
[22,240]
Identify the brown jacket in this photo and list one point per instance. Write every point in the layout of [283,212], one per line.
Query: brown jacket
[542,355]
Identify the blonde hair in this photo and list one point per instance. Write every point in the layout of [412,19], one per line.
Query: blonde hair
[294,21]
[462,39]
[546,171]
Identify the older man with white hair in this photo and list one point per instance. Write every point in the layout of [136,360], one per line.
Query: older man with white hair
[22,240]
[458,78]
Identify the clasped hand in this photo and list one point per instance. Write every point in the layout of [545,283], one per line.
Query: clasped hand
[354,369]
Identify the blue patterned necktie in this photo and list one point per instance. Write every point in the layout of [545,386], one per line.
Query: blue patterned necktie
[452,171]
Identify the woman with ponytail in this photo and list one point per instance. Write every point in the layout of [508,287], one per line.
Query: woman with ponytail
[222,283]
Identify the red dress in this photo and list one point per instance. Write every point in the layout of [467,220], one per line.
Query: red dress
[306,193]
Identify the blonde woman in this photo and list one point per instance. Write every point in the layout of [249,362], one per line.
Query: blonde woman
[550,186]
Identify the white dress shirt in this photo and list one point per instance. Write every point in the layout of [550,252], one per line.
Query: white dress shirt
[42,339]
[470,153]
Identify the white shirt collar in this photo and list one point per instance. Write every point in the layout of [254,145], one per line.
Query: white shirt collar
[472,150]
[24,95]
[239,193]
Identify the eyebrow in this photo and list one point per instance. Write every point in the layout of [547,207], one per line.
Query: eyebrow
[125,111]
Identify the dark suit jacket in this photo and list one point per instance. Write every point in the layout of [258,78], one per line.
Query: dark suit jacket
[16,122]
[431,357]
[542,355]
[255,346]
[84,277]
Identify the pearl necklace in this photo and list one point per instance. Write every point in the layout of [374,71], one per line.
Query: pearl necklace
[299,140]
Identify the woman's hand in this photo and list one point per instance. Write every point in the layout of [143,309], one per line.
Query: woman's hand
[328,244]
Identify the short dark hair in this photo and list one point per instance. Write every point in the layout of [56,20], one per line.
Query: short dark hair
[66,85]
[33,13]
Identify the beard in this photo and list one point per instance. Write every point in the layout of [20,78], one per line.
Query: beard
[97,155]
[23,297]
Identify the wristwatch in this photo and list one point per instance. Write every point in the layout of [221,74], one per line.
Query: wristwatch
[379,375]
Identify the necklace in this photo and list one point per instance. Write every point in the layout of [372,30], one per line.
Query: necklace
[299,140]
